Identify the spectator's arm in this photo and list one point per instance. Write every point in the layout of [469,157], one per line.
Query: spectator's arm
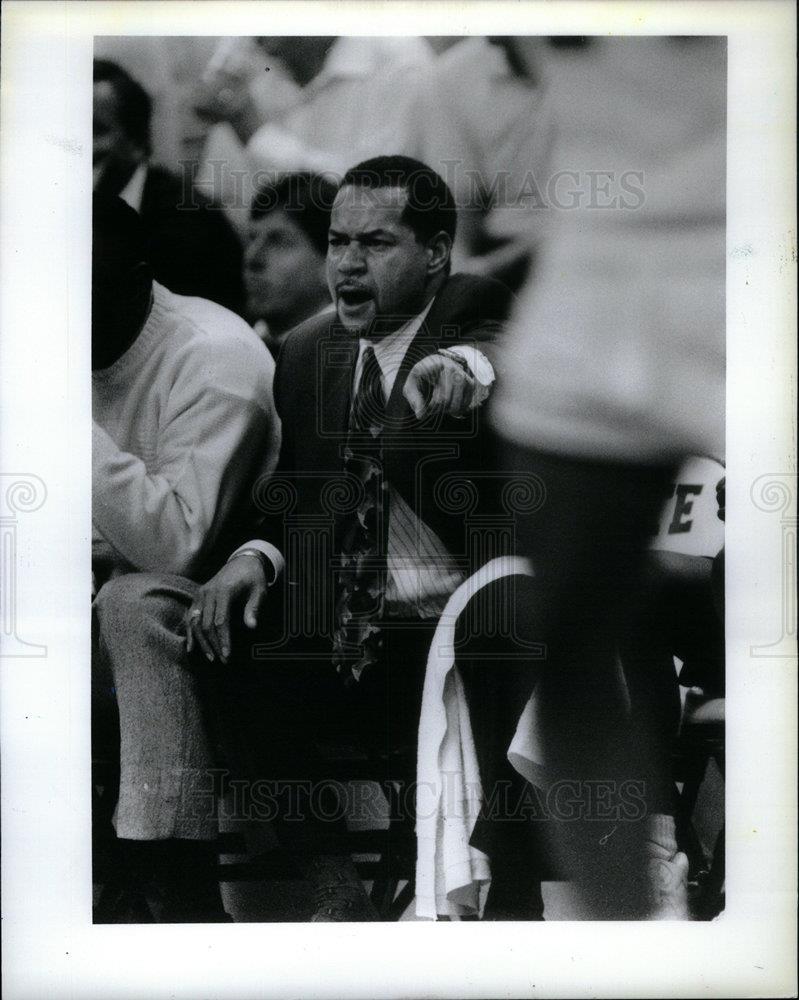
[104,555]
[166,516]
[275,147]
[270,524]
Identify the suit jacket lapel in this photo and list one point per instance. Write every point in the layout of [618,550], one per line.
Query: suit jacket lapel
[336,359]
[337,356]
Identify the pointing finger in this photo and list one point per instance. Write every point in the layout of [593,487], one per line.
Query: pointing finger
[413,394]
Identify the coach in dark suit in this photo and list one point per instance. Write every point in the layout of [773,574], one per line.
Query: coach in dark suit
[192,248]
[370,519]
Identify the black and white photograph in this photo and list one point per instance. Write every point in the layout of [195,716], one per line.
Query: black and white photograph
[400,587]
[538,348]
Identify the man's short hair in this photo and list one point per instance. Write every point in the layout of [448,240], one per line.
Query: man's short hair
[118,236]
[430,206]
[306,199]
[134,106]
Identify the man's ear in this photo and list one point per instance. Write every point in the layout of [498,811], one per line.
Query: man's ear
[439,251]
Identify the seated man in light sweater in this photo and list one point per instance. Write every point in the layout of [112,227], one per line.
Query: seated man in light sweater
[183,426]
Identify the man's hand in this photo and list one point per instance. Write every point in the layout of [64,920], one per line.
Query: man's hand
[231,105]
[438,384]
[242,580]
[223,94]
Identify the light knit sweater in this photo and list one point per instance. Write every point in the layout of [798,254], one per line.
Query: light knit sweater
[184,422]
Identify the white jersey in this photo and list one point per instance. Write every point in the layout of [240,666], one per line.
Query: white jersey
[689,523]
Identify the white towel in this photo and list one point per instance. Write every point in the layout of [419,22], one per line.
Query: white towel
[452,877]
[450,874]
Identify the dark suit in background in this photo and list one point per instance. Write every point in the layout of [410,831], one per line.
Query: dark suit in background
[193,248]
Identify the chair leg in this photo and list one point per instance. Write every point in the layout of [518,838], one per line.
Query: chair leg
[389,904]
[382,895]
[711,902]
[686,800]
[402,901]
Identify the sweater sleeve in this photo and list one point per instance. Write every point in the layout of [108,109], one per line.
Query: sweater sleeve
[268,528]
[165,515]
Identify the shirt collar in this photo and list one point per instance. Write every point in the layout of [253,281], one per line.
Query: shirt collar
[133,192]
[391,349]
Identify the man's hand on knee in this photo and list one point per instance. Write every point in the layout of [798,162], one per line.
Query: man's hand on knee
[241,582]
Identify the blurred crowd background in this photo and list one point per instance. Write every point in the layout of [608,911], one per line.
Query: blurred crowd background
[227,111]
[517,125]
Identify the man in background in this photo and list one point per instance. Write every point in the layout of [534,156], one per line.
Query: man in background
[479,115]
[191,246]
[284,261]
[347,108]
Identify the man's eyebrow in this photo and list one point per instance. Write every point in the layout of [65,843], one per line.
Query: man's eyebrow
[365,234]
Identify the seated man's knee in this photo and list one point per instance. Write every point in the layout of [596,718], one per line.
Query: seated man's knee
[130,602]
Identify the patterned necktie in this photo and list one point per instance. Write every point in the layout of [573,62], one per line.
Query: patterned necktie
[361,579]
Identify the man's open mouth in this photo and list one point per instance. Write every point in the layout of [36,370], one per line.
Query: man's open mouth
[353,296]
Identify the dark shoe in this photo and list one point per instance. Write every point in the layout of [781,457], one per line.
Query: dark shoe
[185,872]
[504,904]
[340,896]
[340,904]
[512,914]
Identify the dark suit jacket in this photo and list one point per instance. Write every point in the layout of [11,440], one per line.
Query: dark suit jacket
[437,465]
[193,248]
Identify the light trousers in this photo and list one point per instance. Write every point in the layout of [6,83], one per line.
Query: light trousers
[139,662]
